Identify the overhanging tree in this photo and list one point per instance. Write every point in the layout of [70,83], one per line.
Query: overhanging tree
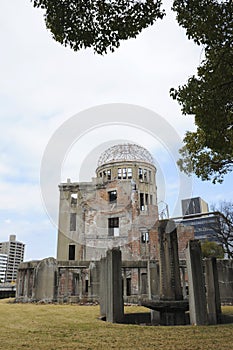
[208,152]
[102,24]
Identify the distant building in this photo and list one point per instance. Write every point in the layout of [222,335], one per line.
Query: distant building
[203,226]
[3,266]
[194,206]
[15,255]
[196,213]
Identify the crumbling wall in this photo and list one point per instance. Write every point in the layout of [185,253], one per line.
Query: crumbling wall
[225,280]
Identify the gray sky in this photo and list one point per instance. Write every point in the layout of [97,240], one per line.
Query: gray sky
[44,84]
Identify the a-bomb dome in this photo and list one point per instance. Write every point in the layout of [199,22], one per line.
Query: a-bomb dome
[125,152]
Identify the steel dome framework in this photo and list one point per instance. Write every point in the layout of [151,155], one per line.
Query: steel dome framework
[125,152]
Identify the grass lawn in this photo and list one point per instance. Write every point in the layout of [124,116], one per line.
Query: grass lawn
[71,327]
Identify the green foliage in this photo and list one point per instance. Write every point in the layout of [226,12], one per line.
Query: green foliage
[208,152]
[102,24]
[99,24]
[212,250]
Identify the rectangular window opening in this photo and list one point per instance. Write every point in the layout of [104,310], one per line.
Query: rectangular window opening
[124,172]
[129,171]
[71,252]
[140,173]
[142,205]
[112,196]
[74,197]
[113,227]
[109,174]
[119,173]
[145,237]
[145,174]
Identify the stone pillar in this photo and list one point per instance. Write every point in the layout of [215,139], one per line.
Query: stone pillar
[103,287]
[124,283]
[115,305]
[45,279]
[196,282]
[154,280]
[170,285]
[80,285]
[183,282]
[94,281]
[225,275]
[169,272]
[212,288]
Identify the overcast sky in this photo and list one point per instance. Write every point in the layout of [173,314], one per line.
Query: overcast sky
[43,85]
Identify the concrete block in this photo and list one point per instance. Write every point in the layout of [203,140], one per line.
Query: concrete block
[196,282]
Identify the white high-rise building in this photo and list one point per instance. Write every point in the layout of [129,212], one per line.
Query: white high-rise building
[3,266]
[15,255]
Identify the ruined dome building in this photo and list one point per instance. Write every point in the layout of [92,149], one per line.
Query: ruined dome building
[117,209]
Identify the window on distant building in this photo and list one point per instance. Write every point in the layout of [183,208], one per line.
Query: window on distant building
[109,174]
[129,171]
[140,173]
[119,173]
[124,173]
[112,196]
[74,197]
[113,227]
[71,252]
[145,237]
[142,204]
[146,200]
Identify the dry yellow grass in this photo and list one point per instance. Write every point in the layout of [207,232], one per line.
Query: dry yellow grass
[71,327]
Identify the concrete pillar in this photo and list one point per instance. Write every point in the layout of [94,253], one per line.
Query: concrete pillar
[94,281]
[154,283]
[225,275]
[212,288]
[154,280]
[115,305]
[45,279]
[139,284]
[80,283]
[183,282]
[170,285]
[124,284]
[103,287]
[196,282]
